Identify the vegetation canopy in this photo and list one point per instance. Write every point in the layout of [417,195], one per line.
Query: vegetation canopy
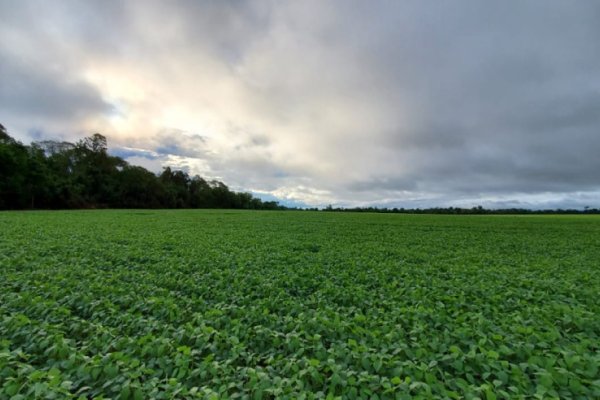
[289,305]
[52,174]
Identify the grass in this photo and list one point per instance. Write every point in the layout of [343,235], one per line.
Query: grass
[232,304]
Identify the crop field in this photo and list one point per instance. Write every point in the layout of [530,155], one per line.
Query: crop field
[298,305]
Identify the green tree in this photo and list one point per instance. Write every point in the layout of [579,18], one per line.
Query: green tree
[54,174]
[176,188]
[14,159]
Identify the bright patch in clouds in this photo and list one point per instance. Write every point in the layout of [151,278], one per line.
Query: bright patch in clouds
[401,104]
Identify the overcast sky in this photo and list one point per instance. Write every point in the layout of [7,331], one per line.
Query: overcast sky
[388,103]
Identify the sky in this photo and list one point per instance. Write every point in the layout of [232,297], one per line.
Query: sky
[349,103]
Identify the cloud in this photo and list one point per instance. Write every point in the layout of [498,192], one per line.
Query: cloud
[46,93]
[127,152]
[338,102]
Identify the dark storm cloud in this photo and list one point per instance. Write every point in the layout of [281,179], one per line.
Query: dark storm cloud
[36,91]
[505,102]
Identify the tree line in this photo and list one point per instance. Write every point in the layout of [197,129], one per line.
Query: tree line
[478,210]
[60,175]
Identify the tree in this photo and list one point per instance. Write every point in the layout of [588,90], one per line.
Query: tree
[54,174]
[14,158]
[4,138]
[139,188]
[95,143]
[176,188]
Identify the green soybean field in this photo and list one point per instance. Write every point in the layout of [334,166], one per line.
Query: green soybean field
[183,304]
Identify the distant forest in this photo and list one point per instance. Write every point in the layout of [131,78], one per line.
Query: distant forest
[479,210]
[61,175]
